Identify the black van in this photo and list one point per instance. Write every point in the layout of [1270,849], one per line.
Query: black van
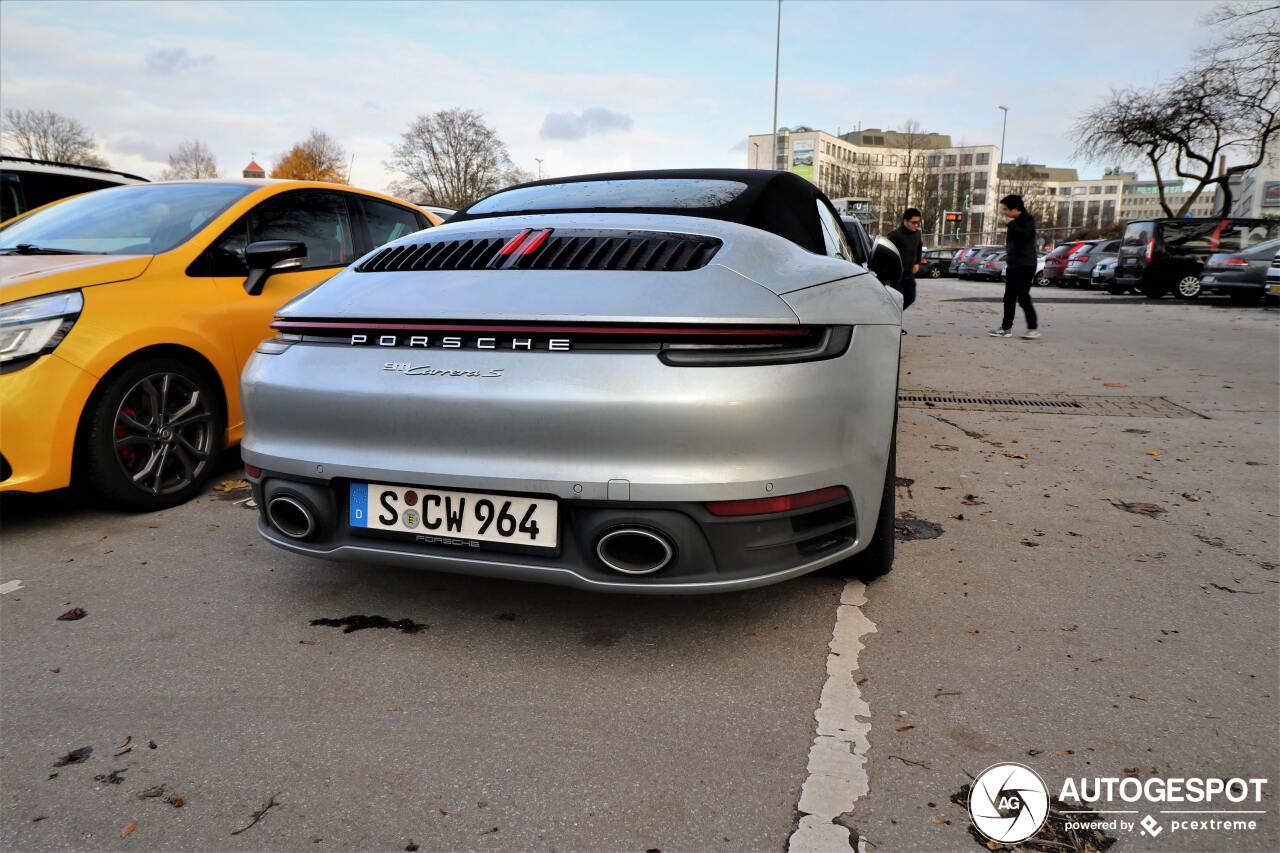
[1160,256]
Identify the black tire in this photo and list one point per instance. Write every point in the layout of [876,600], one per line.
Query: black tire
[1116,290]
[152,434]
[876,560]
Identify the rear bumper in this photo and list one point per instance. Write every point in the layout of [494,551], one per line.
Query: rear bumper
[600,432]
[711,554]
[41,405]
[1217,284]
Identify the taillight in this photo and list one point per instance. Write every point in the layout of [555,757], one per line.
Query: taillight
[1234,261]
[1081,258]
[816,343]
[783,503]
[1151,248]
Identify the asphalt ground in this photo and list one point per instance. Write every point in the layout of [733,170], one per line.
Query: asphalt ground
[1043,625]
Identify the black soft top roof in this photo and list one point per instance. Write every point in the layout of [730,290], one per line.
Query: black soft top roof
[781,203]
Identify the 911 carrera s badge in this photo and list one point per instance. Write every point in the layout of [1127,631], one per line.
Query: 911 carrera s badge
[427,370]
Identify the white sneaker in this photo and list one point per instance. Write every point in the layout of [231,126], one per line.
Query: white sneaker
[1000,333]
[1031,335]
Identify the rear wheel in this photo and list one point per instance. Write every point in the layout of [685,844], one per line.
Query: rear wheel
[876,559]
[935,272]
[152,435]
[1189,287]
[1115,289]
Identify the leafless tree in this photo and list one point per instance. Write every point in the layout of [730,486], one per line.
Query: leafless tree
[1226,103]
[47,135]
[451,158]
[316,158]
[192,160]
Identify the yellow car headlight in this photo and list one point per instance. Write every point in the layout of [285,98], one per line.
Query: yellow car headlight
[32,327]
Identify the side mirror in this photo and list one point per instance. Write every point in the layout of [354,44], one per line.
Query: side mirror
[886,263]
[271,256]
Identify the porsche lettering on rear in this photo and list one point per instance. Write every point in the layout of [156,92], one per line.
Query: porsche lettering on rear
[454,342]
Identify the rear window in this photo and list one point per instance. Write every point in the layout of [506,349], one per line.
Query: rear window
[655,193]
[1137,233]
[1227,235]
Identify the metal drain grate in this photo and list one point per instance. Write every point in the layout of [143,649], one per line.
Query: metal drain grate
[1057,404]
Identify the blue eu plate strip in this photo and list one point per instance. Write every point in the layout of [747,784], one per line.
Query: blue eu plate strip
[359,504]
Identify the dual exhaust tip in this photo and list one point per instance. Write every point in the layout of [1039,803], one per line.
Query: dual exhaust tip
[635,550]
[628,550]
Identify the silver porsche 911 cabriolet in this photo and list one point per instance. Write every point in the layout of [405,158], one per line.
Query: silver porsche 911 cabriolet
[666,382]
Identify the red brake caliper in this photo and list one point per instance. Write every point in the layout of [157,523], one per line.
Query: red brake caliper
[126,452]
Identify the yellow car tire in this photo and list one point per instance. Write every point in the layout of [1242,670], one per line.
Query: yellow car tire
[152,434]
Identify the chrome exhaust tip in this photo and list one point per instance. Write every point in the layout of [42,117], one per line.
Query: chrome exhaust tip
[634,551]
[291,517]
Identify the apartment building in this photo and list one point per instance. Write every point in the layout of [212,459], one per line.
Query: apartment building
[1141,200]
[892,170]
[1256,193]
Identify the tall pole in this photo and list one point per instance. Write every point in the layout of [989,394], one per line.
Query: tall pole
[539,159]
[1004,124]
[777,56]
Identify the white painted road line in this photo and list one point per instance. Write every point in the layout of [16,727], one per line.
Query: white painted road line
[10,586]
[837,759]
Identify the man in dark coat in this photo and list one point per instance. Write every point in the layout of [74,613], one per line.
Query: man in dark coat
[907,238]
[1020,268]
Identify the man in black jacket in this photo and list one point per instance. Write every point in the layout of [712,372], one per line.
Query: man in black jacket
[906,237]
[1020,268]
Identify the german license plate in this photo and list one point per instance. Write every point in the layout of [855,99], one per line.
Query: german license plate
[512,520]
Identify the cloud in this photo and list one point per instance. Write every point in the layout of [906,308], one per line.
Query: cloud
[571,126]
[174,60]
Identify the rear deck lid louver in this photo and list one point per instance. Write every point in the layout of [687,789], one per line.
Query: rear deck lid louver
[551,249]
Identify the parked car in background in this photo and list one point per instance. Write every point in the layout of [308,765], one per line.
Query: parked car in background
[1055,263]
[26,184]
[1080,264]
[974,258]
[1103,277]
[126,315]
[954,267]
[1038,278]
[859,241]
[1162,256]
[991,267]
[1273,281]
[464,414]
[934,263]
[442,212]
[1240,275]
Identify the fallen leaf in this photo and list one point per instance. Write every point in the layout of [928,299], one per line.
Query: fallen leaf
[122,744]
[904,728]
[72,615]
[128,829]
[1153,452]
[1016,454]
[940,821]
[1139,697]
[1065,752]
[231,486]
[1034,752]
[1114,385]
[1138,431]
[944,447]
[1190,496]
[75,756]
[1140,508]
[971,500]
[151,793]
[176,802]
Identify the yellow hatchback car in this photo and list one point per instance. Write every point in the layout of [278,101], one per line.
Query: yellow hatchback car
[127,314]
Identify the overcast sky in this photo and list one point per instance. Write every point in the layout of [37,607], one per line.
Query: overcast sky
[586,86]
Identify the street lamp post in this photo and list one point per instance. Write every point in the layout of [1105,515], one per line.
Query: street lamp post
[755,155]
[1004,124]
[777,56]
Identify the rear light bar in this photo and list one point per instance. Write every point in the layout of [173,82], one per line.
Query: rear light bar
[1236,262]
[1081,258]
[783,503]
[1151,248]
